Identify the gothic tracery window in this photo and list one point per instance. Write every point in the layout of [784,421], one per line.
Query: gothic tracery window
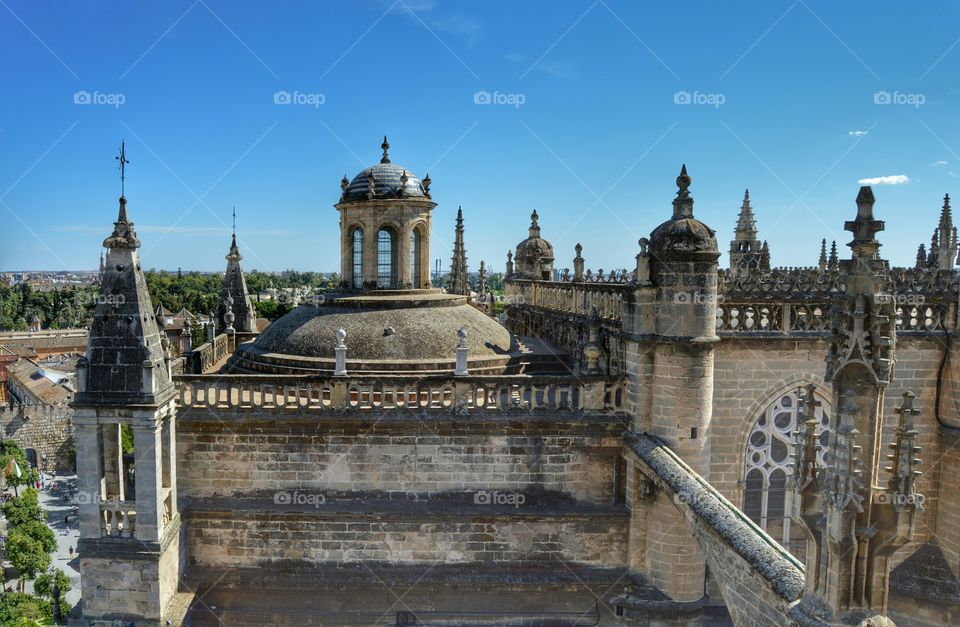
[357,258]
[768,494]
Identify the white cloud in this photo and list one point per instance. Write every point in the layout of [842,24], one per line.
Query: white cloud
[936,163]
[857,133]
[896,179]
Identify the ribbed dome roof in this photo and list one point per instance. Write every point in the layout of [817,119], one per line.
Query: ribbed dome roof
[386,182]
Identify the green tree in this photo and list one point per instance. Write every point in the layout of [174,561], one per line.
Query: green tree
[40,532]
[28,476]
[43,587]
[26,555]
[23,509]
[20,609]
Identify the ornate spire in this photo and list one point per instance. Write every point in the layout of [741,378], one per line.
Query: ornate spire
[482,288]
[833,262]
[683,203]
[746,252]
[944,245]
[764,262]
[921,257]
[127,362]
[822,263]
[459,283]
[235,300]
[746,223]
[386,149]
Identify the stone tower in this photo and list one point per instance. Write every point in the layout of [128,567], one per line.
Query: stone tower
[459,282]
[234,292]
[746,251]
[385,228]
[534,258]
[854,515]
[670,318]
[129,523]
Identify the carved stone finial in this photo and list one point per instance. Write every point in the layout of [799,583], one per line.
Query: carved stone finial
[683,203]
[386,148]
[344,183]
[426,185]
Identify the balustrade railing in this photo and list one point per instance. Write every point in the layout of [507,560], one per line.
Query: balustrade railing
[118,518]
[372,393]
[780,301]
[205,356]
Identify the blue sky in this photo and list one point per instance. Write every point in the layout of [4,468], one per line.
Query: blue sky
[782,100]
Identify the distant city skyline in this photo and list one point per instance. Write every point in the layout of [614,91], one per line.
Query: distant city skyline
[583,111]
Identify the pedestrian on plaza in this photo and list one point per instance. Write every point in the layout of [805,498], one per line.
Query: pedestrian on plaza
[66,520]
[71,552]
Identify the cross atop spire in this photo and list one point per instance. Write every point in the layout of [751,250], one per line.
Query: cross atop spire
[234,221]
[386,149]
[122,158]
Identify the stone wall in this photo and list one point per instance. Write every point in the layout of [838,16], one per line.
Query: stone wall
[750,374]
[222,538]
[295,492]
[241,454]
[47,429]
[948,510]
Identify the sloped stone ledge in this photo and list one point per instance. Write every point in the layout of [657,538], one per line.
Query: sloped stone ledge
[741,554]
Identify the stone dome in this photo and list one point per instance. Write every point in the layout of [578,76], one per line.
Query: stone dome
[386,332]
[532,250]
[384,180]
[683,236]
[387,183]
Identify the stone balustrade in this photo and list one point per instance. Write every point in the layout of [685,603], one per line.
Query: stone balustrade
[401,392]
[578,298]
[118,518]
[782,301]
[205,356]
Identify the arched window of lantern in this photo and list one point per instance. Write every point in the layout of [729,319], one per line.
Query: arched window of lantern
[357,252]
[768,494]
[386,258]
[416,239]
